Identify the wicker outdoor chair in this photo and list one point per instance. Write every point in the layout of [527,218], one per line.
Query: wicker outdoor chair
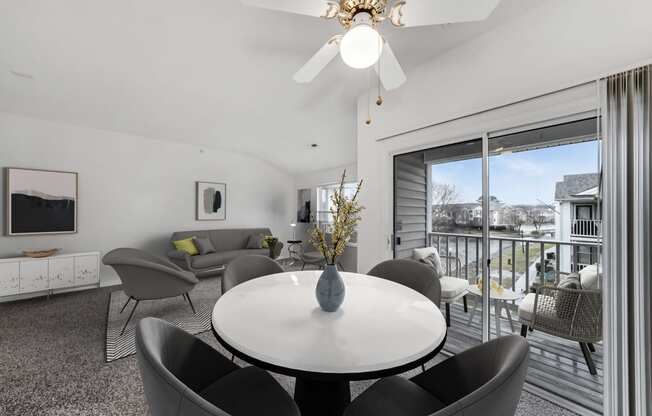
[573,314]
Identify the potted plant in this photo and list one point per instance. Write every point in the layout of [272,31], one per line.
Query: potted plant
[331,240]
[270,242]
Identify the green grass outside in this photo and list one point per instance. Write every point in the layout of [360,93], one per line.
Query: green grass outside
[520,262]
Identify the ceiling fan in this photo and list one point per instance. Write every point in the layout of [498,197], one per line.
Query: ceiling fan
[361,46]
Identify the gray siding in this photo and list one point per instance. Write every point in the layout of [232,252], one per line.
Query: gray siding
[410,210]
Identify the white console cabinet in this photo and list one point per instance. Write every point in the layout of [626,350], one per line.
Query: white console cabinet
[23,276]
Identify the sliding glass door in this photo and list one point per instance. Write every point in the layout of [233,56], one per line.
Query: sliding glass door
[513,216]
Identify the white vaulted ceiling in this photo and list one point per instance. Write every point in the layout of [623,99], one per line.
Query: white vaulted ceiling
[207,72]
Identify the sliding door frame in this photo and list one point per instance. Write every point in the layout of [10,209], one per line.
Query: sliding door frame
[486,261]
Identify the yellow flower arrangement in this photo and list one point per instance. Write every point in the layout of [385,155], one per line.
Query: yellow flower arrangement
[493,286]
[346,217]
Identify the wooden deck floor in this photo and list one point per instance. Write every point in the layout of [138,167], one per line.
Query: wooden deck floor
[556,365]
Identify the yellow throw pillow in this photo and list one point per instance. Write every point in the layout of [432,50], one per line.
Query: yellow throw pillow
[186,245]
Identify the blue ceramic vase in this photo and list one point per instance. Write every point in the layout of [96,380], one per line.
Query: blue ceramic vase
[330,289]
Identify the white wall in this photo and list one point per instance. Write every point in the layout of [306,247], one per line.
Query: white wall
[135,191]
[325,177]
[557,45]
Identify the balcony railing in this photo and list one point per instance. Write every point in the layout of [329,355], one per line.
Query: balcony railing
[511,258]
[586,228]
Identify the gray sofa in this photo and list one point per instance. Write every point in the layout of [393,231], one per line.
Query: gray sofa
[228,243]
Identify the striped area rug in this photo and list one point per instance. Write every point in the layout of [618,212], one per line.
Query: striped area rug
[175,310]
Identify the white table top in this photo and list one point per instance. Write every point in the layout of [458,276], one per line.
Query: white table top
[506,294]
[381,324]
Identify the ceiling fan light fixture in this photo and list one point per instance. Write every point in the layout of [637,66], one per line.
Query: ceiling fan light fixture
[361,46]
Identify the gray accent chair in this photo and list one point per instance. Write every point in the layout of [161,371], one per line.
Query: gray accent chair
[245,268]
[146,276]
[228,243]
[485,380]
[183,376]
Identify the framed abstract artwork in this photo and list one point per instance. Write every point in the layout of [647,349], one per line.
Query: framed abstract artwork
[40,202]
[211,201]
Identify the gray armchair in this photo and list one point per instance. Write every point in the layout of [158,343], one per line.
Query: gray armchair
[146,276]
[183,376]
[485,380]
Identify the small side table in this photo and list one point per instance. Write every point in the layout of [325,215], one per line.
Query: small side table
[294,248]
[499,300]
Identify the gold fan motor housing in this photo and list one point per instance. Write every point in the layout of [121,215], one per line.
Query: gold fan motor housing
[349,8]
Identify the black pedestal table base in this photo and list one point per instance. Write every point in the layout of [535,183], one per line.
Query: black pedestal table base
[321,398]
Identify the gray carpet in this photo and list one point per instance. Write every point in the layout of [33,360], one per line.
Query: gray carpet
[52,362]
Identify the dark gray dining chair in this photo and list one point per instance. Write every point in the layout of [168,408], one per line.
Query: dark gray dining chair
[416,276]
[248,267]
[485,380]
[183,376]
[146,276]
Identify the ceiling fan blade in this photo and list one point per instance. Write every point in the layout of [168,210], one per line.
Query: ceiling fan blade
[314,66]
[317,8]
[409,13]
[389,70]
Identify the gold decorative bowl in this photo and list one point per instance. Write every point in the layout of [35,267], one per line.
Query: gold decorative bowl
[41,253]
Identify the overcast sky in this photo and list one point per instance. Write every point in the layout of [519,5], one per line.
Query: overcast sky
[519,178]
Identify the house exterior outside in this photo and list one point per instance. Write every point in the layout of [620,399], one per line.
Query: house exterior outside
[577,219]
[469,214]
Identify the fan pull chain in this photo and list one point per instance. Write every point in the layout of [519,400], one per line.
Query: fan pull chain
[379,101]
[368,122]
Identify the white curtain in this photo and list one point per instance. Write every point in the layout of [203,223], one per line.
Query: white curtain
[626,110]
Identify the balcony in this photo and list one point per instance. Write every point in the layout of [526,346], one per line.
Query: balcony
[586,229]
[556,365]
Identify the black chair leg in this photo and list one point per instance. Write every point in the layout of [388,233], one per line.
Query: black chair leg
[187,295]
[130,316]
[524,331]
[587,357]
[303,266]
[591,347]
[423,368]
[466,306]
[123,308]
[448,314]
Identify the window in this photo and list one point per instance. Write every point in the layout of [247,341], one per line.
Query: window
[325,203]
[584,212]
[585,256]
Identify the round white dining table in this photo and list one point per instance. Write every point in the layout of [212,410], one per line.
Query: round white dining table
[382,328]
